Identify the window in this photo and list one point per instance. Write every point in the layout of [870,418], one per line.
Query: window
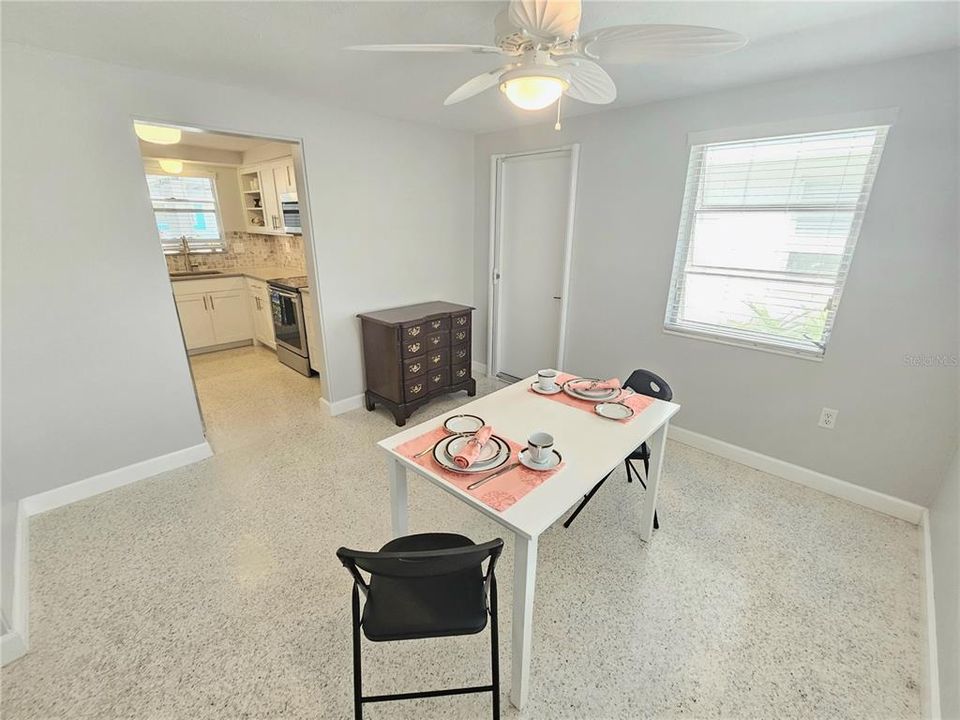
[186,207]
[767,233]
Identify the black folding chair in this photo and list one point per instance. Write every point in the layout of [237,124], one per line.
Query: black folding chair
[643,382]
[424,586]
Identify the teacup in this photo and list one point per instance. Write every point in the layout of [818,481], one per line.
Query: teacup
[547,380]
[540,446]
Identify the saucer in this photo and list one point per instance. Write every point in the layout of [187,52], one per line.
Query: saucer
[553,460]
[535,386]
[613,410]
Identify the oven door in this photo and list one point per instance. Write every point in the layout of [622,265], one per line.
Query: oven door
[287,310]
[291,217]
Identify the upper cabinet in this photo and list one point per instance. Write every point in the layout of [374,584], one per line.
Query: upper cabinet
[264,186]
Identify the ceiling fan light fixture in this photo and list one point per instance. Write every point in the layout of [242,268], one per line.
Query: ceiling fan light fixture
[534,88]
[157,134]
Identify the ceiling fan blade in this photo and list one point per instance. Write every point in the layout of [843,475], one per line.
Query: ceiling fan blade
[546,19]
[429,48]
[644,43]
[589,82]
[474,86]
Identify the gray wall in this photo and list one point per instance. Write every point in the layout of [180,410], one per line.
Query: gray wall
[94,371]
[897,424]
[945,544]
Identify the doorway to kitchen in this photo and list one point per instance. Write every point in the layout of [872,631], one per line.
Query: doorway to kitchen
[231,224]
[533,197]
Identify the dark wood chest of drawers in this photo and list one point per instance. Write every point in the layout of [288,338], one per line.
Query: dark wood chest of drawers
[414,353]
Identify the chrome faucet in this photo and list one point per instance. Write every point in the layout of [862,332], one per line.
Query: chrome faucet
[185,254]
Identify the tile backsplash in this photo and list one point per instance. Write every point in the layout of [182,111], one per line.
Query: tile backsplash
[247,250]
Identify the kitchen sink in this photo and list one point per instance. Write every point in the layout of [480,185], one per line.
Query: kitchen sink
[196,273]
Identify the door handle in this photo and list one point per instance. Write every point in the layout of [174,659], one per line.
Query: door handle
[212,306]
[556,297]
[204,302]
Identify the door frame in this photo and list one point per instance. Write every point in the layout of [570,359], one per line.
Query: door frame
[495,249]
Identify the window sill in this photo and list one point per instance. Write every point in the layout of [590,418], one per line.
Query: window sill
[746,344]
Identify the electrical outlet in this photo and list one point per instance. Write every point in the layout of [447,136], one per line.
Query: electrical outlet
[828,418]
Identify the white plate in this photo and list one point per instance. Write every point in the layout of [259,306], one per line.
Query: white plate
[570,389]
[535,386]
[614,410]
[463,423]
[446,463]
[553,459]
[488,453]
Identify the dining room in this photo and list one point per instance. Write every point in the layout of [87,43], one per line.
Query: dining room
[640,387]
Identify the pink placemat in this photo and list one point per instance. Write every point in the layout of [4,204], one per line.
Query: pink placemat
[501,492]
[638,403]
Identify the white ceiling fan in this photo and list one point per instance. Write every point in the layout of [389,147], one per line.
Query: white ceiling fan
[549,57]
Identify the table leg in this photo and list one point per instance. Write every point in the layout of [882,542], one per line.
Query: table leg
[524,579]
[398,497]
[658,445]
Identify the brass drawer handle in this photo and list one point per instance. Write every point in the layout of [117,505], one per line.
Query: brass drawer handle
[415,367]
[416,388]
[461,353]
[414,331]
[414,347]
[436,324]
[461,335]
[435,340]
[436,378]
[462,321]
[461,372]
[435,359]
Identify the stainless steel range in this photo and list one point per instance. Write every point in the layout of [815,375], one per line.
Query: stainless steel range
[287,309]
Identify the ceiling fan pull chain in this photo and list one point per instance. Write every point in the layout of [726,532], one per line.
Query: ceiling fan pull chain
[559,100]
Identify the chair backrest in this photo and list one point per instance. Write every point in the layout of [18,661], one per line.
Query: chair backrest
[648,383]
[422,563]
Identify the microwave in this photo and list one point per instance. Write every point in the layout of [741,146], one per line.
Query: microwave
[290,210]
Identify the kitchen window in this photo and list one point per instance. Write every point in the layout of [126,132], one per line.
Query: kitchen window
[767,234]
[186,208]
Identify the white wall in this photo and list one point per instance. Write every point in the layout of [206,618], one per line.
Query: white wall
[896,423]
[94,372]
[945,546]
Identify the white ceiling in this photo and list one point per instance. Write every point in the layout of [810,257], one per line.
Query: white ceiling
[297,47]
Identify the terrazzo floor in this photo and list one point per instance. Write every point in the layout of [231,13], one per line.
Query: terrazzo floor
[213,591]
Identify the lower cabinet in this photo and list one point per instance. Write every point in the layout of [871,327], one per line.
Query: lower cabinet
[212,312]
[259,298]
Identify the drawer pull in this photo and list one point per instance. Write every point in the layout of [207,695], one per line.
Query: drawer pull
[461,335]
[461,353]
[436,324]
[414,331]
[435,359]
[435,340]
[462,320]
[461,372]
[415,367]
[413,347]
[416,388]
[436,378]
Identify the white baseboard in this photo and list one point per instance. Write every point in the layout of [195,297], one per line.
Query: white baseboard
[82,489]
[11,647]
[339,407]
[930,686]
[479,368]
[58,497]
[857,494]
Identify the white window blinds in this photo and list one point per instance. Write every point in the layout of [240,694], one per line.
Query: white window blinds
[186,207]
[767,233]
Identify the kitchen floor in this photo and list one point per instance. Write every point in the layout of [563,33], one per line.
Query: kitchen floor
[213,591]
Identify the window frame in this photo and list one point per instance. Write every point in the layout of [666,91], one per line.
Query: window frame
[165,246]
[882,120]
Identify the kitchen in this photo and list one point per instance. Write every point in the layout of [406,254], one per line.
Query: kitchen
[228,218]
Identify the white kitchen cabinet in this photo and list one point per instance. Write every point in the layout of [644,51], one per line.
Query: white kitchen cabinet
[284,176]
[314,347]
[259,299]
[261,186]
[213,312]
[195,321]
[272,215]
[231,319]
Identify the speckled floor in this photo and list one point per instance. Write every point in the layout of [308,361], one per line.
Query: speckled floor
[213,591]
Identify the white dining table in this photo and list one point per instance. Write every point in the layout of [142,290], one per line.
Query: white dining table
[591,446]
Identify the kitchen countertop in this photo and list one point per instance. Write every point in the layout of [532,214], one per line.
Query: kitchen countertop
[264,273]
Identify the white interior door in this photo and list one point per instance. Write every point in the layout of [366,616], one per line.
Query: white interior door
[534,208]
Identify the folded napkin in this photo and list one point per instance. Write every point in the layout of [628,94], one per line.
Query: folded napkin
[611,384]
[471,450]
